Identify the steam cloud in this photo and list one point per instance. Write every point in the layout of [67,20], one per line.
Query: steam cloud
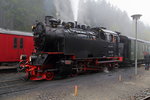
[59,8]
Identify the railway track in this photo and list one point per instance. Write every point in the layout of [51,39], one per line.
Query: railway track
[143,95]
[9,82]
[12,86]
[146,98]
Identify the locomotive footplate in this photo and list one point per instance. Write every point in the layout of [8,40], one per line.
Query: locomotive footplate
[96,64]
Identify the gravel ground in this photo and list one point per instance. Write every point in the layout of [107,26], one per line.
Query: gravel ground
[97,86]
[11,76]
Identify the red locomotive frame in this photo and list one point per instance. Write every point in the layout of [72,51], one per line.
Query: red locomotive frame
[35,72]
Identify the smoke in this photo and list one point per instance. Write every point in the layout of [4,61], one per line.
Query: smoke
[60,9]
[75,8]
[50,8]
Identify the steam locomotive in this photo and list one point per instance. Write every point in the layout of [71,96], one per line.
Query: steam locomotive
[67,48]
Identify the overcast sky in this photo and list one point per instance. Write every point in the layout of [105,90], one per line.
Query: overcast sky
[134,7]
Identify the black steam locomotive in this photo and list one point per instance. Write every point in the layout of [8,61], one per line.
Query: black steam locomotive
[67,48]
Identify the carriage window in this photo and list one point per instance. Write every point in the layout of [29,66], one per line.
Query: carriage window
[21,43]
[115,39]
[15,42]
[102,35]
[143,47]
[111,38]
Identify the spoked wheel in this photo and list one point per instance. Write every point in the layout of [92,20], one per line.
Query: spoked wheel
[49,75]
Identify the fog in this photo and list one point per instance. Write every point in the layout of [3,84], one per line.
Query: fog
[21,15]
[103,14]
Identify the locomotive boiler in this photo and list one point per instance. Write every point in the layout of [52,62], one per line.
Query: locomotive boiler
[67,48]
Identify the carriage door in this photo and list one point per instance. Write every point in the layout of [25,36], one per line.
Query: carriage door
[15,53]
[21,45]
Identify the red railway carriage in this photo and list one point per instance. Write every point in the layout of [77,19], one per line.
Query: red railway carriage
[13,44]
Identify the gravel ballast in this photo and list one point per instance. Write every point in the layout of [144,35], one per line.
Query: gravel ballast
[119,84]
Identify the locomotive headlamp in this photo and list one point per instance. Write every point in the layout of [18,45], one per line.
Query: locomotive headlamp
[33,27]
[23,57]
[32,58]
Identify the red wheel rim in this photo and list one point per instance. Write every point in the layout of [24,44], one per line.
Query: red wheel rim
[49,75]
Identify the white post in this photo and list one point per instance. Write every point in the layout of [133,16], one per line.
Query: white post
[136,47]
[136,17]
